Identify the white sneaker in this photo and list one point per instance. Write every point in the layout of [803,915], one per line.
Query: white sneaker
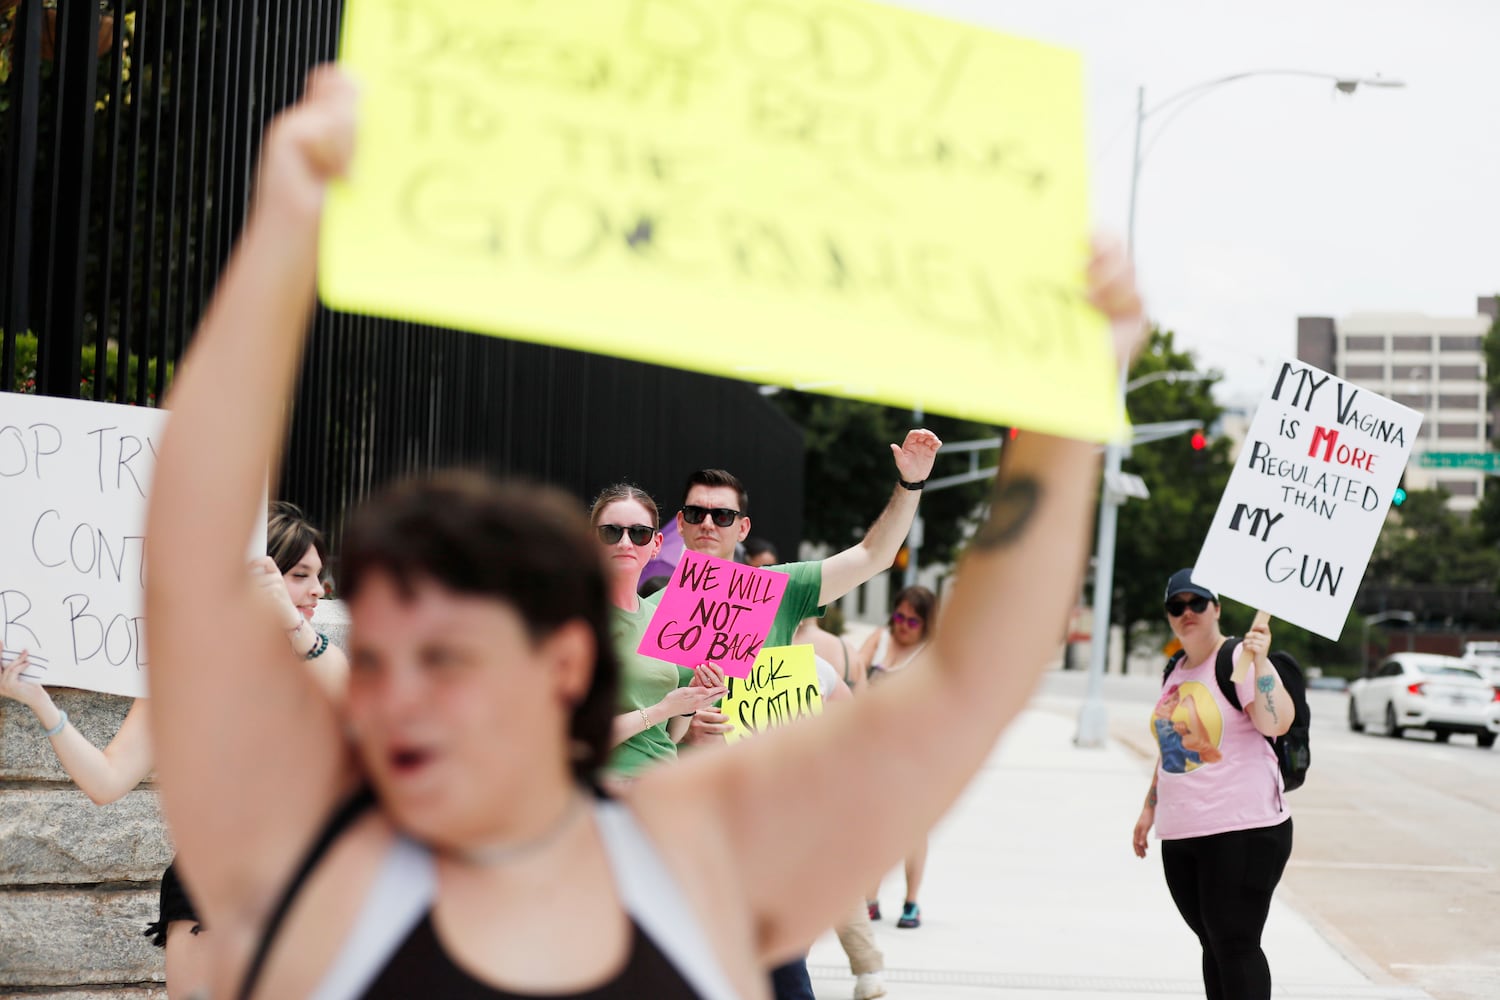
[868,986]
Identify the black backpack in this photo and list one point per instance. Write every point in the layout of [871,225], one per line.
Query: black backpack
[1293,749]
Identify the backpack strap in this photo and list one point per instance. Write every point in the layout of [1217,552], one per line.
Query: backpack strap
[1224,671]
[1172,662]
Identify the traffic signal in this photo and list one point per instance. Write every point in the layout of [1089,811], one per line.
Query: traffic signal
[1399,497]
[1198,442]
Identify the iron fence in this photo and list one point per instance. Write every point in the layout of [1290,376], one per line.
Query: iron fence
[129,131]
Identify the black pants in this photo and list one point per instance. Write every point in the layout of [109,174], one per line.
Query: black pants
[1222,885]
[791,982]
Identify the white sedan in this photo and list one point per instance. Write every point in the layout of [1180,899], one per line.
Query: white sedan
[1426,691]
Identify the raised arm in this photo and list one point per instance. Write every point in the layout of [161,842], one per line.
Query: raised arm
[877,550]
[249,755]
[899,756]
[104,775]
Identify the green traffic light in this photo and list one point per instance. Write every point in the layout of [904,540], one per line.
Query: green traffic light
[1400,497]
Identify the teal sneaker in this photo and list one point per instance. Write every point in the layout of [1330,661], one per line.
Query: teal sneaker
[911,916]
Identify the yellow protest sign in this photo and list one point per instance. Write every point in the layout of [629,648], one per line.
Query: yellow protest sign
[826,194]
[782,687]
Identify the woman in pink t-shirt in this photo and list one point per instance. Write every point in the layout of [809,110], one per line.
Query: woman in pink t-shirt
[1217,800]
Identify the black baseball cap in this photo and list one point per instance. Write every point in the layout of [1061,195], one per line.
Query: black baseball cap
[1181,582]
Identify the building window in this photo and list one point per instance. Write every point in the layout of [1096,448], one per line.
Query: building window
[1447,402]
[1405,373]
[1409,343]
[1470,372]
[1416,400]
[1364,371]
[1460,487]
[1364,343]
[1461,343]
[1471,431]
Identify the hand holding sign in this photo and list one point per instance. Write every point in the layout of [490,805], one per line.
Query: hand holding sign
[1256,644]
[1113,291]
[17,679]
[690,699]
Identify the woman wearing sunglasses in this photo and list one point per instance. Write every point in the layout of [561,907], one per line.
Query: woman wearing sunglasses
[656,698]
[889,651]
[1217,799]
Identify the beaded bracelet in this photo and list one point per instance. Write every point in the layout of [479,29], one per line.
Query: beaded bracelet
[319,648]
[62,723]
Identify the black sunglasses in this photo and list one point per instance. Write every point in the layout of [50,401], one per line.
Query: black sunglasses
[723,516]
[640,534]
[1198,603]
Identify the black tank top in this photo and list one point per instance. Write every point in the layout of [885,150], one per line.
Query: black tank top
[420,967]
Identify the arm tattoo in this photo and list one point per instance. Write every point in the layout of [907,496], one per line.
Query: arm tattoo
[1266,686]
[1010,513]
[1151,795]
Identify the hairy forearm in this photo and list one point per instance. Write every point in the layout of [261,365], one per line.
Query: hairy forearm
[888,533]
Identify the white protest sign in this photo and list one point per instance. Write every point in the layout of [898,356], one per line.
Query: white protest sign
[1307,498]
[74,477]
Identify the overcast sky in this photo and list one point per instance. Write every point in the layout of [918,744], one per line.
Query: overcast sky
[1273,198]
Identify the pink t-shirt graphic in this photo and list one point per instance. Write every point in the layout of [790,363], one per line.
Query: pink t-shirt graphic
[1217,772]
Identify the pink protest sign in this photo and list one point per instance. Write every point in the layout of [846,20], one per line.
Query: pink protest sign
[714,611]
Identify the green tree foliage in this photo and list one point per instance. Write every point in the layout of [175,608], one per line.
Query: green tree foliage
[1163,534]
[1342,658]
[1492,360]
[1425,543]
[850,473]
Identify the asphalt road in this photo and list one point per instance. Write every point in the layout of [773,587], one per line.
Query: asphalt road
[1397,856]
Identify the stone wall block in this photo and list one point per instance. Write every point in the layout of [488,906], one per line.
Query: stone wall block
[57,836]
[78,938]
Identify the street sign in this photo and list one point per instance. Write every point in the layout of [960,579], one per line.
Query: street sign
[1478,461]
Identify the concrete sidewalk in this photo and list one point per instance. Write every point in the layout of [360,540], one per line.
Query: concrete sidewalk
[1032,892]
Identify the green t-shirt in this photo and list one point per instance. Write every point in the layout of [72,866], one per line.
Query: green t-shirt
[644,681]
[800,600]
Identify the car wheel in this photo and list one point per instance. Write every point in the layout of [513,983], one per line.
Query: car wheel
[1355,726]
[1486,740]
[1441,736]
[1391,729]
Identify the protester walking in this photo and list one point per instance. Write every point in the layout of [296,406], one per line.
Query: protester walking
[1217,799]
[887,652]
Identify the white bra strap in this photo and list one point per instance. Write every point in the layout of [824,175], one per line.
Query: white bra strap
[652,896]
[402,893]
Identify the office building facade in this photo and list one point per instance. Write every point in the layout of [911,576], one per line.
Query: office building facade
[1433,364]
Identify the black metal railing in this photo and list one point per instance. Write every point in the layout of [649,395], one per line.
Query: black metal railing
[128,136]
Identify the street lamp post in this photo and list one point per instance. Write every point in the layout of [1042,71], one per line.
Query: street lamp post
[1093,717]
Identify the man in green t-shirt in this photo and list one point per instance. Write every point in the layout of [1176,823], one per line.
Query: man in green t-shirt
[715,517]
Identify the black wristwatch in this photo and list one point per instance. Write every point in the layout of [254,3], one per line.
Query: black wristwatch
[911,486]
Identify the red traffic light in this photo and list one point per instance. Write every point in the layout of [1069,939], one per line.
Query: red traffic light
[1198,441]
